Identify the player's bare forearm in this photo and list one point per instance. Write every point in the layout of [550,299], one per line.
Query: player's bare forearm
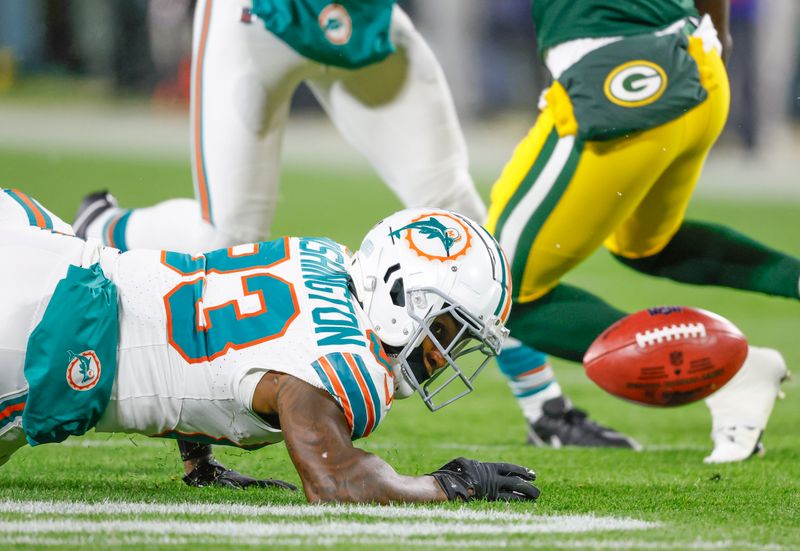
[331,469]
[719,11]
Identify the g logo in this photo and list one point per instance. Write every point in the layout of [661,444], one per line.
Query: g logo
[635,83]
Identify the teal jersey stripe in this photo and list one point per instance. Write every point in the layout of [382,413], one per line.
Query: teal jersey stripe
[358,403]
[11,409]
[378,352]
[527,182]
[540,216]
[323,377]
[373,392]
[37,216]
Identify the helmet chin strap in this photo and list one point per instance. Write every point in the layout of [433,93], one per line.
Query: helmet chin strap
[417,363]
[402,388]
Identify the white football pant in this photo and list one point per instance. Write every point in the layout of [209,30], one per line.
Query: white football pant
[398,113]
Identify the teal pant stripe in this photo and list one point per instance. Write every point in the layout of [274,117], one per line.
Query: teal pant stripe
[119,231]
[37,216]
[11,409]
[373,392]
[48,222]
[114,230]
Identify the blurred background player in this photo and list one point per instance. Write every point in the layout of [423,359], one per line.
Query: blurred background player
[389,99]
[142,357]
[387,96]
[640,96]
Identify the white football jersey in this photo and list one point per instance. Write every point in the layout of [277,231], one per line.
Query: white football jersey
[197,333]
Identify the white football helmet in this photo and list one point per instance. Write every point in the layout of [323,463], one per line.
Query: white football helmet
[418,264]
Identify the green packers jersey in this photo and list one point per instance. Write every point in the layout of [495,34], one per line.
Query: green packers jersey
[557,21]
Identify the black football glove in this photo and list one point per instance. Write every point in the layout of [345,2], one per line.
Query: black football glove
[467,479]
[211,473]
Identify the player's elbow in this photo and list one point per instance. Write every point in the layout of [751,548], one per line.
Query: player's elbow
[341,488]
[331,494]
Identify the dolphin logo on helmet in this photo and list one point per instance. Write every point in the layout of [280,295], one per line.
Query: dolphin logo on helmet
[404,295]
[436,235]
[432,228]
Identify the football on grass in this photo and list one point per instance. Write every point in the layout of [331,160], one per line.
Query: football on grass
[666,356]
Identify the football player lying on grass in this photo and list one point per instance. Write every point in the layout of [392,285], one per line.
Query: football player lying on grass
[291,340]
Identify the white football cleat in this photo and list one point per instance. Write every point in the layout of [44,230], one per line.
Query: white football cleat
[741,408]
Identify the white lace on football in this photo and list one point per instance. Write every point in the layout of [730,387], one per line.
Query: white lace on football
[671,333]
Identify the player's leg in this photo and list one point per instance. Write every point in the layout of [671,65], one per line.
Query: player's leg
[35,257]
[657,240]
[555,201]
[554,204]
[400,115]
[740,409]
[242,80]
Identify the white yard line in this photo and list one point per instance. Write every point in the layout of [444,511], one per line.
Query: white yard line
[60,523]
[326,528]
[164,443]
[70,509]
[118,539]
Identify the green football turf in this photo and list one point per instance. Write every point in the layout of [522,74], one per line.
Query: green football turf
[689,505]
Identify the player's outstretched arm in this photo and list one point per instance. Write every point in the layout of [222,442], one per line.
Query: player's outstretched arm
[318,440]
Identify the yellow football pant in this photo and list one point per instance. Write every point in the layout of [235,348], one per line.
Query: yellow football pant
[559,197]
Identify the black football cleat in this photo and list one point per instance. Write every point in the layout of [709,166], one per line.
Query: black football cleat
[92,206]
[563,425]
[211,473]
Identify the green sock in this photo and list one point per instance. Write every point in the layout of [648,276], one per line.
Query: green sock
[563,323]
[708,254]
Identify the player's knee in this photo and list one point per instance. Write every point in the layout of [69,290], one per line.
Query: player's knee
[422,63]
[251,104]
[646,264]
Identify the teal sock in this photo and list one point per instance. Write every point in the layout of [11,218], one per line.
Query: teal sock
[530,377]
